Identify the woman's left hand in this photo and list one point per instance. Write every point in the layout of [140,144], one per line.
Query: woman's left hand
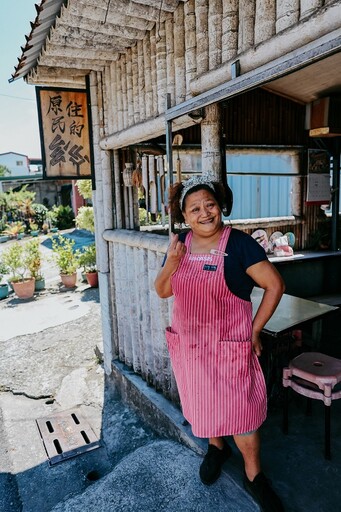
[257,344]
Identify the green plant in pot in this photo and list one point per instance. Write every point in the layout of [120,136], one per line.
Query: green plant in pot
[16,258]
[4,290]
[87,260]
[67,259]
[34,263]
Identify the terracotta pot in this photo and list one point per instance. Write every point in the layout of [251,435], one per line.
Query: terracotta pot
[69,280]
[24,289]
[92,278]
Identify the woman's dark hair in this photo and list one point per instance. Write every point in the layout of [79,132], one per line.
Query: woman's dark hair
[175,194]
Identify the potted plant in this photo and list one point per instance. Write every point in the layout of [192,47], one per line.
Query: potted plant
[4,290]
[67,260]
[34,229]
[87,260]
[16,258]
[34,262]
[15,230]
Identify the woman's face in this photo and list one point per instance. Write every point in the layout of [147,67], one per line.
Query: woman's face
[202,213]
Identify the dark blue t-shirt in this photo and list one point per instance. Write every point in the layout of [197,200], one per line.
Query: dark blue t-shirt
[242,252]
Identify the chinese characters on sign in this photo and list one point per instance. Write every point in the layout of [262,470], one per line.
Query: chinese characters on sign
[64,126]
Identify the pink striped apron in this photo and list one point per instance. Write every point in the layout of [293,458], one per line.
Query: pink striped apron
[219,378]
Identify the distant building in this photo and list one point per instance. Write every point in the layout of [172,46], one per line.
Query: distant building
[29,171]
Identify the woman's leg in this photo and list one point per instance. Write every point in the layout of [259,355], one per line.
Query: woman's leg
[217,441]
[249,446]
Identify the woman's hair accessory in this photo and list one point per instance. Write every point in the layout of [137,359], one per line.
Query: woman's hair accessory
[194,182]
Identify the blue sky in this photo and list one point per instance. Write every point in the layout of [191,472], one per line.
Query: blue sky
[19,131]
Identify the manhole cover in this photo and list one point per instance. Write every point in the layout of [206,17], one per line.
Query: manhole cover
[66,435]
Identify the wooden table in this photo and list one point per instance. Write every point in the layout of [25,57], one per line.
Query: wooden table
[291,312]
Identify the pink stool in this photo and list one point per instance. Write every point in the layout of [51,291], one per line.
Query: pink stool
[313,375]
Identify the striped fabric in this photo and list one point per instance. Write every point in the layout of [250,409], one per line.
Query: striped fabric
[219,378]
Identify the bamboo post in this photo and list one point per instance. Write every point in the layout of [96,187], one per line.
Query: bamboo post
[113,81]
[179,55]
[229,29]
[117,191]
[141,83]
[201,10]
[130,101]
[124,90]
[307,7]
[170,59]
[147,76]
[190,44]
[215,11]
[265,20]
[169,150]
[119,97]
[246,26]
[135,80]
[287,12]
[153,70]
[210,141]
[161,65]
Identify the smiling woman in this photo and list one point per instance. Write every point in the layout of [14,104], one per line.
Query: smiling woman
[213,342]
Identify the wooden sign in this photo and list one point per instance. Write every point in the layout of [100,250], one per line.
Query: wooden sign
[65,132]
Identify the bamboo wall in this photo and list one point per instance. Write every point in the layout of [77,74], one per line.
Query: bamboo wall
[139,316]
[199,37]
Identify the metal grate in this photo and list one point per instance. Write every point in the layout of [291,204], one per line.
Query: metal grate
[66,435]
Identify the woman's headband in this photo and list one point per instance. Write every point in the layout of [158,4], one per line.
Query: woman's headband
[194,182]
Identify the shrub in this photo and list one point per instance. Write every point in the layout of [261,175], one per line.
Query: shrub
[64,217]
[84,188]
[85,218]
[64,255]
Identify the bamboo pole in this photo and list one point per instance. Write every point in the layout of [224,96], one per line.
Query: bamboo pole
[307,7]
[161,65]
[108,102]
[179,55]
[135,80]
[117,191]
[124,90]
[148,76]
[190,44]
[210,141]
[119,97]
[153,70]
[287,12]
[141,82]
[170,59]
[229,29]
[247,12]
[113,81]
[201,10]
[130,101]
[265,20]
[215,11]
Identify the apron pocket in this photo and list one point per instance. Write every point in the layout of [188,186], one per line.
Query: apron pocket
[236,356]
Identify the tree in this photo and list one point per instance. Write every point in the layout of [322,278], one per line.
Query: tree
[4,171]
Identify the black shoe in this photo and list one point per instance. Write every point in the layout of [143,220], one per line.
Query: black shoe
[210,468]
[262,492]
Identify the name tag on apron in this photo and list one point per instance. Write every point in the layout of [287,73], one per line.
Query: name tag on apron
[212,268]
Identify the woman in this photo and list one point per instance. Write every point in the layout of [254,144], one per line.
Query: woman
[213,342]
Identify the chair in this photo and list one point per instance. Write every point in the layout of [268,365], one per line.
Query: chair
[316,376]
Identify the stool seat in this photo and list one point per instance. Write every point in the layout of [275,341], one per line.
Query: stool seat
[315,376]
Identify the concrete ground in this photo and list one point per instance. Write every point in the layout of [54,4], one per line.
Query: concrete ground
[50,362]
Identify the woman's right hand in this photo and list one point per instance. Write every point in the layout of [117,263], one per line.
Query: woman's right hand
[176,251]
